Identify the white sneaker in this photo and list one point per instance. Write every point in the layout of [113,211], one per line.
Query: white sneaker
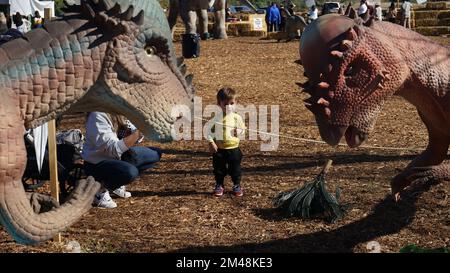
[104,200]
[122,192]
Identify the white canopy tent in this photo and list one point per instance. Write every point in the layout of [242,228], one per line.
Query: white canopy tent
[27,7]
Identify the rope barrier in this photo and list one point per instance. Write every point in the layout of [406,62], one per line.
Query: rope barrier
[308,140]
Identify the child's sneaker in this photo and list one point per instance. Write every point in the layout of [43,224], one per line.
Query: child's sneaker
[104,200]
[122,192]
[218,190]
[237,191]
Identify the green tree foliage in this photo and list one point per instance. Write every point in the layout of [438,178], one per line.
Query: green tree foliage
[59,4]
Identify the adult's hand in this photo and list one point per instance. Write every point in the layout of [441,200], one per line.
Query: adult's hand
[131,140]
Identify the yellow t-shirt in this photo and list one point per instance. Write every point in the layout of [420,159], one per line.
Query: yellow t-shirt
[221,131]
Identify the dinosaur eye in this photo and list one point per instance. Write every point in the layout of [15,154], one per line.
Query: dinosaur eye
[150,50]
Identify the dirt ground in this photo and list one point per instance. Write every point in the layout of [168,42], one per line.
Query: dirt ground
[172,209]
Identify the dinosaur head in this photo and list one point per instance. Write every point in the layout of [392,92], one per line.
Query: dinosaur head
[350,75]
[140,78]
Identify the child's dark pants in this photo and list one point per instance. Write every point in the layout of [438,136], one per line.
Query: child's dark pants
[227,161]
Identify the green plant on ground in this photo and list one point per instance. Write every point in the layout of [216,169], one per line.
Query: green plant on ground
[416,249]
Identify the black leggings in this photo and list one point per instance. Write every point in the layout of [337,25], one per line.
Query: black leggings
[227,161]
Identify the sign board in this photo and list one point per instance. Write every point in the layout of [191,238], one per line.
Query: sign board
[258,23]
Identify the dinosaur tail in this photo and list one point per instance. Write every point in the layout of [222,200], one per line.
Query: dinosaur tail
[28,227]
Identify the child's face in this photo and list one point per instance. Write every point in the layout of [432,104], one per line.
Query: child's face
[230,104]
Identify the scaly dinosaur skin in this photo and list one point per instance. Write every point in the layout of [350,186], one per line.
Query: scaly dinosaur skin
[98,57]
[354,68]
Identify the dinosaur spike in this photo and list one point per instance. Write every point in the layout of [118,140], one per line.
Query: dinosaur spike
[346,44]
[352,13]
[139,19]
[114,11]
[180,61]
[309,101]
[106,4]
[183,69]
[385,75]
[88,10]
[351,34]
[303,85]
[337,54]
[369,22]
[128,14]
[347,10]
[189,79]
[101,18]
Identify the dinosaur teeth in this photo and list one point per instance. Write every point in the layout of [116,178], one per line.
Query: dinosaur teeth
[323,101]
[323,85]
[386,75]
[347,44]
[380,85]
[337,54]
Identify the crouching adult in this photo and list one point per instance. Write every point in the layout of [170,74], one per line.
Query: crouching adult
[112,157]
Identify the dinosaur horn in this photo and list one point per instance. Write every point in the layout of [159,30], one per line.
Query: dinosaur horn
[183,69]
[298,62]
[128,14]
[351,34]
[114,11]
[369,22]
[189,79]
[352,13]
[139,19]
[87,10]
[180,61]
[309,101]
[303,85]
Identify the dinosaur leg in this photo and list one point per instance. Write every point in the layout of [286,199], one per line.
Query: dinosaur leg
[427,166]
[17,215]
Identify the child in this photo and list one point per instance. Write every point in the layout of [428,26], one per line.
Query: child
[224,143]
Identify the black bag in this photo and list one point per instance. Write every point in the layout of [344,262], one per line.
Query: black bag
[191,45]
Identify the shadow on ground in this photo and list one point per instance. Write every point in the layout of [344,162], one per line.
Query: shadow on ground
[387,218]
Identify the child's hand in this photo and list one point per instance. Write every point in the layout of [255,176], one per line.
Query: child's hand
[213,147]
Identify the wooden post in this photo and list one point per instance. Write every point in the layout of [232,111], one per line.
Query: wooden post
[48,14]
[53,160]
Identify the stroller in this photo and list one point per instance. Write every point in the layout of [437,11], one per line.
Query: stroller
[70,168]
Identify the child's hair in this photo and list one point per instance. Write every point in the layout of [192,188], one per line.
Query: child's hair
[225,94]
